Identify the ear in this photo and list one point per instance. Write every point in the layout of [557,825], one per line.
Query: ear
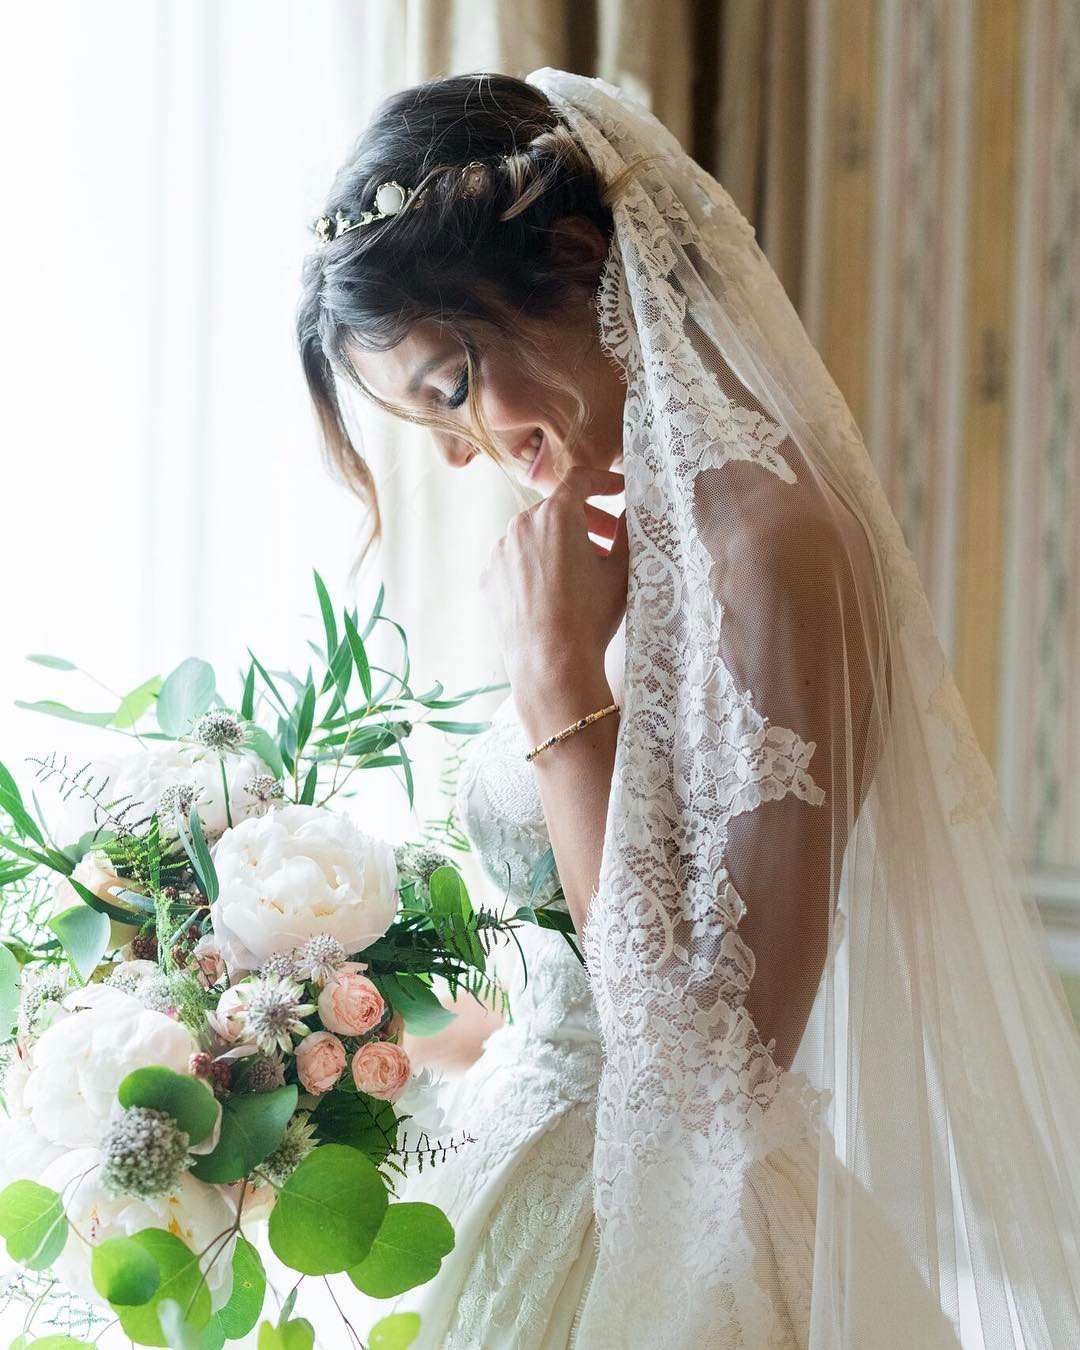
[578,243]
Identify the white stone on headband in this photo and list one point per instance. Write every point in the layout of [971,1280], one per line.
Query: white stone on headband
[391,199]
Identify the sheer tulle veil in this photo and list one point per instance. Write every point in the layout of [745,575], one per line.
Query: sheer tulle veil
[840,1104]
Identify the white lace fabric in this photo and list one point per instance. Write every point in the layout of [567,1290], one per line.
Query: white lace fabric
[824,1006]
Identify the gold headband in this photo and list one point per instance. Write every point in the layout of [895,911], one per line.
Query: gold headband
[390,199]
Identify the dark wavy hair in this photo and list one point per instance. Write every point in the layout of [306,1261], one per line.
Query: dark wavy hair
[473,252]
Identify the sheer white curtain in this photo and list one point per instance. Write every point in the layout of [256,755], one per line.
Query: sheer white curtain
[162,486]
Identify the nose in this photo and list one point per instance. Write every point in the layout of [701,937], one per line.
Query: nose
[457,453]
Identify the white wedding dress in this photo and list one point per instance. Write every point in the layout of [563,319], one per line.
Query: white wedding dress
[520,1197]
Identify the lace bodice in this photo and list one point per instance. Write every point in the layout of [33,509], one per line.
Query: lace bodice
[499,808]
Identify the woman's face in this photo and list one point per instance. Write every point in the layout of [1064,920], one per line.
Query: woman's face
[529,421]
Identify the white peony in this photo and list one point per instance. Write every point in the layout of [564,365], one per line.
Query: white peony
[194,1212]
[77,1065]
[140,778]
[295,873]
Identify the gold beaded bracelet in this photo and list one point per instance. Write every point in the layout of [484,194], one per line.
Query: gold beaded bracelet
[579,725]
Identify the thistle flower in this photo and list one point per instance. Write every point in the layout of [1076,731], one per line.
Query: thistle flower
[263,1074]
[264,788]
[272,1011]
[176,797]
[220,731]
[144,1154]
[282,964]
[296,1143]
[319,957]
[39,997]
[416,863]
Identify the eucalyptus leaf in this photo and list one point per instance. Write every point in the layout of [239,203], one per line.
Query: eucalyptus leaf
[298,1334]
[188,1100]
[186,694]
[179,1333]
[328,1212]
[52,662]
[327,609]
[408,1250]
[84,935]
[251,1128]
[33,1222]
[181,1283]
[135,704]
[240,1314]
[124,1272]
[396,1332]
[51,708]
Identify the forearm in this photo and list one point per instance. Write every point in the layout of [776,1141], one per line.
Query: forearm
[574,777]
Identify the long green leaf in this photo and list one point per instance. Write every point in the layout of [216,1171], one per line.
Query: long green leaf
[51,708]
[136,703]
[376,611]
[329,622]
[359,654]
[306,718]
[11,801]
[247,703]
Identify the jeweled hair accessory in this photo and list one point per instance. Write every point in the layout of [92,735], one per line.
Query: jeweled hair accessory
[390,199]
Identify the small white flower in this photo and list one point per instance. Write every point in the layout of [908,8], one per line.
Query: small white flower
[271,1010]
[319,957]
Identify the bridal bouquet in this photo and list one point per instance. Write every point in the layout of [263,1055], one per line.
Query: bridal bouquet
[206,976]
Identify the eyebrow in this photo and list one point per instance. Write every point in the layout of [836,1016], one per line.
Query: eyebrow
[432,363]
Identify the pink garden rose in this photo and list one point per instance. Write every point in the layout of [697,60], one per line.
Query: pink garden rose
[320,1061]
[349,1003]
[381,1070]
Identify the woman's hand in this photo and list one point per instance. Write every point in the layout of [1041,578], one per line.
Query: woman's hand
[557,598]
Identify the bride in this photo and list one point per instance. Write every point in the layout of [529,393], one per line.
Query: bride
[818,1085]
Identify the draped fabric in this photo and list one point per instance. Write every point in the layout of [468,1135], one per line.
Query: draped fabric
[806,943]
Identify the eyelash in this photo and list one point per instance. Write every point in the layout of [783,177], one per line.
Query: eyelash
[461,390]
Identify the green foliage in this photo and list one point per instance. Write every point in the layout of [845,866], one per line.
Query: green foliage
[396,1332]
[84,934]
[32,1221]
[198,853]
[9,992]
[190,1102]
[124,1272]
[350,1117]
[240,1314]
[186,693]
[180,1281]
[298,1334]
[453,915]
[134,705]
[408,1250]
[328,1212]
[251,1128]
[417,1002]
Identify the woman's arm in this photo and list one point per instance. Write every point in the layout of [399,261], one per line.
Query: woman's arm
[574,777]
[557,601]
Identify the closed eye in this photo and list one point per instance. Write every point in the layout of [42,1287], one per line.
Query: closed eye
[461,389]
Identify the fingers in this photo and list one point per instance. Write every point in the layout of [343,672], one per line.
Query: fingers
[600,522]
[581,482]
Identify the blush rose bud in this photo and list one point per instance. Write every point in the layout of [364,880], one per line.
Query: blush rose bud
[381,1070]
[349,1003]
[320,1062]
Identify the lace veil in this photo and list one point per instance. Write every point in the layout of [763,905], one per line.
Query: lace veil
[840,1104]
